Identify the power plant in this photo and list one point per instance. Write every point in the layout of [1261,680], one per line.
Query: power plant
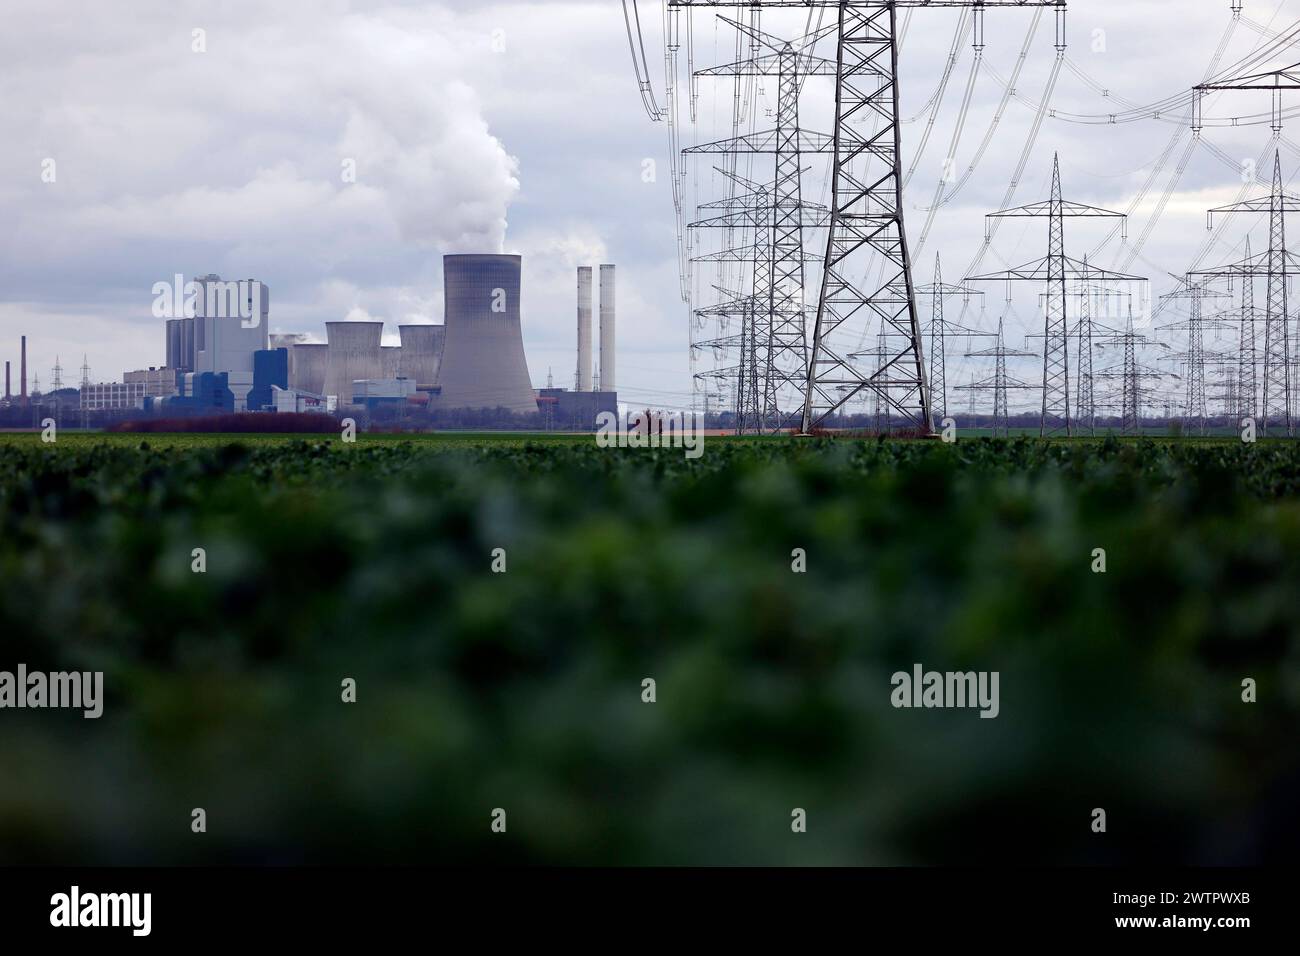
[472,367]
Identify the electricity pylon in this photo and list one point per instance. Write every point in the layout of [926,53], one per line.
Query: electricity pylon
[1001,381]
[1131,374]
[939,330]
[1195,325]
[1056,270]
[1276,265]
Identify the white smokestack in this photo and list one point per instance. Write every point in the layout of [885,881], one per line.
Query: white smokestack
[607,334]
[583,381]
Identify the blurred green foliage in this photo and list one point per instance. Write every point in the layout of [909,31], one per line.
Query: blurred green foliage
[523,691]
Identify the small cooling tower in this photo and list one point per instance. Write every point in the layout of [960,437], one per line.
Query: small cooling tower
[354,354]
[483,364]
[308,364]
[422,352]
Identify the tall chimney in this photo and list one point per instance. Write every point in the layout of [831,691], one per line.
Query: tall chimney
[23,383]
[8,394]
[583,381]
[607,383]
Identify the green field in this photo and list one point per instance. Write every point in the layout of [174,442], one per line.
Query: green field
[523,691]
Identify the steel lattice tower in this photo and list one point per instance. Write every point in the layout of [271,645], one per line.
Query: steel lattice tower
[1055,270]
[1247,389]
[939,331]
[1087,403]
[1001,381]
[1131,374]
[1276,265]
[1196,410]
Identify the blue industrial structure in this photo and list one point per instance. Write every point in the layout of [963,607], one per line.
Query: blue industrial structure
[270,368]
[201,393]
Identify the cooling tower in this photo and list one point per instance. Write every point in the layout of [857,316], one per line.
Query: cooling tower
[422,352]
[390,361]
[583,381]
[308,364]
[353,355]
[483,364]
[607,335]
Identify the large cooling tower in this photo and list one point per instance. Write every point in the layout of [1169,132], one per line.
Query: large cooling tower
[353,355]
[483,364]
[422,352]
[607,334]
[308,364]
[583,380]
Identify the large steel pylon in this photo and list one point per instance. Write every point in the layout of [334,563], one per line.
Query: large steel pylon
[867,219]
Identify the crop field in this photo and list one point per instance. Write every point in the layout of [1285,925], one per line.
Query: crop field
[501,602]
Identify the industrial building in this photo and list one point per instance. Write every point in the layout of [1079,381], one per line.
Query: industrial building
[270,371]
[158,382]
[180,344]
[112,396]
[131,392]
[483,364]
[290,401]
[227,333]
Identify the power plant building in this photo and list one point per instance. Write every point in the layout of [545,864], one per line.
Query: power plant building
[231,323]
[483,365]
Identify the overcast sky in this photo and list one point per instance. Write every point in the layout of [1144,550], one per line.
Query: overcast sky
[517,127]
